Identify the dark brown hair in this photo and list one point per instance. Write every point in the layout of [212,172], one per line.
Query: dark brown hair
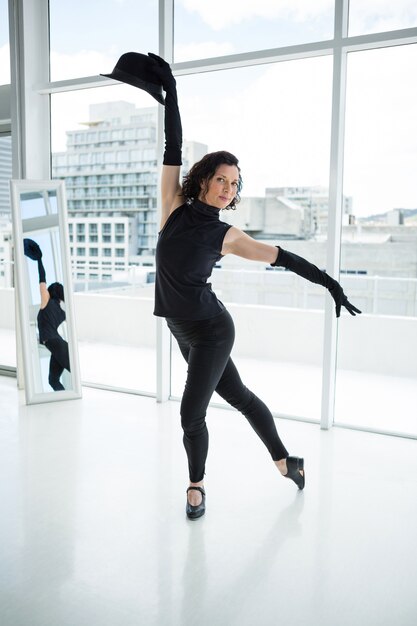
[56,291]
[204,170]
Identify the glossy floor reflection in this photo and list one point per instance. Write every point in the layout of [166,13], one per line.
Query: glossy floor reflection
[93,528]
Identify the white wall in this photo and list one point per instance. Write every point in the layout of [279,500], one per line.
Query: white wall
[371,294]
[367,343]
[115,319]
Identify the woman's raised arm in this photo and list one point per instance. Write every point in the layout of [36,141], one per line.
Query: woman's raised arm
[172,161]
[33,251]
[171,191]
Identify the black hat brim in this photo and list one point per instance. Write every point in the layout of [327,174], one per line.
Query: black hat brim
[152,88]
[32,249]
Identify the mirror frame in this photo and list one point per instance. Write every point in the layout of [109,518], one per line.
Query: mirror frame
[17,187]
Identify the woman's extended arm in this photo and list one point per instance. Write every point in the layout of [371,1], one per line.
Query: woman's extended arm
[171,192]
[239,243]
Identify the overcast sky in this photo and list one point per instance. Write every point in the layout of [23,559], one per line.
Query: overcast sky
[276,117]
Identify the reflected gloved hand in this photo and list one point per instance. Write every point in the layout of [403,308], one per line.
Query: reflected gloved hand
[32,249]
[164,73]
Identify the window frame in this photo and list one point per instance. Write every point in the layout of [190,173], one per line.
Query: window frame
[30,66]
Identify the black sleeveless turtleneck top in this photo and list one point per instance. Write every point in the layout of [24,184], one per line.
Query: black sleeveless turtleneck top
[188,247]
[49,319]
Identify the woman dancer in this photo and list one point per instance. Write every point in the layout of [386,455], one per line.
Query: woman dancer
[192,238]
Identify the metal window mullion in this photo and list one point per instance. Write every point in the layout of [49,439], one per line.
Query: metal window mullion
[334,211]
[30,114]
[383,39]
[29,44]
[163,339]
[244,59]
[233,61]
[15,101]
[166,30]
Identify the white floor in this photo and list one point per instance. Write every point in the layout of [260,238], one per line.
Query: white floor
[93,529]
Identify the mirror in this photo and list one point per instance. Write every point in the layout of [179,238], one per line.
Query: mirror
[44,291]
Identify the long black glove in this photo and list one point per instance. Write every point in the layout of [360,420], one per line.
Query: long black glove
[33,251]
[312,273]
[173,127]
[41,271]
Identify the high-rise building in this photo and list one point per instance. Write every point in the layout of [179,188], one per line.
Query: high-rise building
[288,212]
[6,273]
[110,171]
[5,174]
[313,203]
[5,212]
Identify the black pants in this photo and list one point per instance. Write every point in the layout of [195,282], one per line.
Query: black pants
[206,346]
[59,362]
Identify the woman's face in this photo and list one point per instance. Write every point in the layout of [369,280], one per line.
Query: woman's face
[222,188]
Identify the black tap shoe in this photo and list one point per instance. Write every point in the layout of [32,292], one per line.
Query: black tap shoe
[294,465]
[194,512]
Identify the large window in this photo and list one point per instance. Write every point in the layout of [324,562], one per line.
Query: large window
[373,16]
[216,28]
[377,374]
[4,44]
[104,29]
[266,94]
[114,291]
[281,138]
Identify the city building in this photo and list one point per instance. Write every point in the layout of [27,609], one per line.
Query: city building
[110,173]
[6,268]
[314,203]
[5,175]
[6,253]
[289,212]
[101,246]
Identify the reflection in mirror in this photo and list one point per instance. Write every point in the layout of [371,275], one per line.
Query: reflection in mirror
[38,204]
[44,291]
[46,315]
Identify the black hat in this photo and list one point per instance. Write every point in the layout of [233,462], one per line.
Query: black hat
[138,70]
[32,249]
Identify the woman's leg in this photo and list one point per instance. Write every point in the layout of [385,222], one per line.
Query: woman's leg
[59,361]
[206,347]
[194,497]
[232,389]
[55,371]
